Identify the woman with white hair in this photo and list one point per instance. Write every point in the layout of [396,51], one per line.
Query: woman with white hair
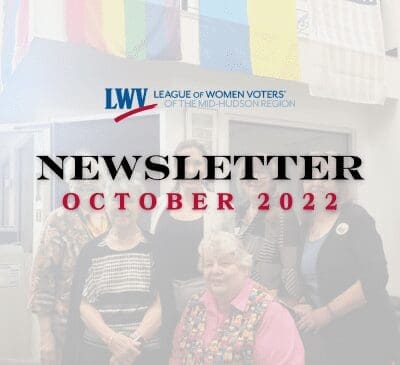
[234,321]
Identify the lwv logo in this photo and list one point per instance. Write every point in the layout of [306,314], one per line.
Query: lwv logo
[123,98]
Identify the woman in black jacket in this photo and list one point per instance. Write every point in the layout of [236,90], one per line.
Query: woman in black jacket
[343,268]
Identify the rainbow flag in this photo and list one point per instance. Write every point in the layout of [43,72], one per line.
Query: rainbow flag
[141,29]
[251,36]
[15,36]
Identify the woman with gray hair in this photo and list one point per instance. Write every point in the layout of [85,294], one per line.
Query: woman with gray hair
[234,321]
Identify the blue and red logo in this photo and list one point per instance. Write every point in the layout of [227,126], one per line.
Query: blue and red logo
[124,98]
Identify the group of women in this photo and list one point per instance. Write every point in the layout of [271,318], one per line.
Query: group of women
[132,288]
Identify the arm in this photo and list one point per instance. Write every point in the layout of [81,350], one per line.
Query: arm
[123,348]
[149,326]
[45,269]
[48,354]
[95,323]
[151,321]
[367,249]
[43,286]
[277,339]
[365,245]
[350,300]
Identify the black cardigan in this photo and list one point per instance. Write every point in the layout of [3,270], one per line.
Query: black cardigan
[353,251]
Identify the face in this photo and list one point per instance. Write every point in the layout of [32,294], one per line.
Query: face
[252,188]
[123,219]
[85,189]
[222,273]
[194,164]
[320,189]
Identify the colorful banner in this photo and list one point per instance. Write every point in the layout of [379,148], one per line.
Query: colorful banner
[252,36]
[127,28]
[136,29]
[141,29]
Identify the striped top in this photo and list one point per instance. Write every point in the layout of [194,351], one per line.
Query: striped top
[120,286]
[273,239]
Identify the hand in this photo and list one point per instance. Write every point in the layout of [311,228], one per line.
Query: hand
[114,361]
[48,353]
[314,320]
[124,350]
[300,310]
[118,361]
[273,293]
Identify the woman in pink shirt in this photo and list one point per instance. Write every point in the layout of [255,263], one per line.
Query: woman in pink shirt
[234,321]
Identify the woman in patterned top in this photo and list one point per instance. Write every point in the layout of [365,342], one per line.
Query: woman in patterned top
[119,304]
[64,235]
[234,321]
